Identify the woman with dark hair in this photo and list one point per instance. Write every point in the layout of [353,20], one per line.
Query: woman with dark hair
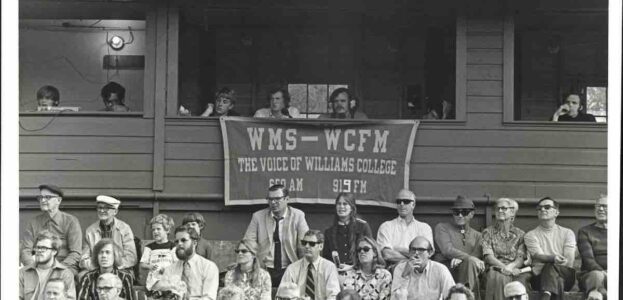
[346,230]
[106,258]
[248,275]
[368,276]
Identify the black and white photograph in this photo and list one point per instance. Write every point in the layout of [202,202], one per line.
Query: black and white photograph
[311,149]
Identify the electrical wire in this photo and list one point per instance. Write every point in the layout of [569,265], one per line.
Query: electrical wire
[46,125]
[131,35]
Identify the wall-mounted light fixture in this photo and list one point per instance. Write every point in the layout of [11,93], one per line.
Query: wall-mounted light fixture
[116,42]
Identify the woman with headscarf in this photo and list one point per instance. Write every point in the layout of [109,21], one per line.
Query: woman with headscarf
[504,250]
[368,276]
[346,230]
[248,275]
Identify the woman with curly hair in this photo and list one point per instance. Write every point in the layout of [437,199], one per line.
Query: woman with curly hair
[248,275]
[368,276]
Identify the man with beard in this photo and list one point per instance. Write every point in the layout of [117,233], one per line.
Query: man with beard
[552,248]
[315,276]
[419,277]
[344,106]
[395,235]
[199,275]
[33,278]
[277,230]
[109,287]
[110,227]
[593,246]
[460,247]
[63,225]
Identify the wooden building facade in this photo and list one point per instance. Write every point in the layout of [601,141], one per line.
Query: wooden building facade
[158,162]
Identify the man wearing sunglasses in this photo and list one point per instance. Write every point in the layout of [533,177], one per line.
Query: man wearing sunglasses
[61,224]
[192,275]
[552,248]
[315,276]
[277,230]
[593,246]
[108,226]
[419,277]
[460,246]
[34,278]
[395,235]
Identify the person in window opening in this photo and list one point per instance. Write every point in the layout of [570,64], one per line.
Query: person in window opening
[224,101]
[113,95]
[344,105]
[438,110]
[48,96]
[279,101]
[571,111]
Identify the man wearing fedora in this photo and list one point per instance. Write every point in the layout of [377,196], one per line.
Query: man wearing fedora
[60,223]
[460,245]
[108,226]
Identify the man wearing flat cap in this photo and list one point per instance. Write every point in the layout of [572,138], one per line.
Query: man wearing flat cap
[62,224]
[110,227]
[460,245]
[514,290]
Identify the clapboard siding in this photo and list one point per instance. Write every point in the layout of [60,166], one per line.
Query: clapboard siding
[484,40]
[195,151]
[87,179]
[85,144]
[484,72]
[85,162]
[96,125]
[489,104]
[484,57]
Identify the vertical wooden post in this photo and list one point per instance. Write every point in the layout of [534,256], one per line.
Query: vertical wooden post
[461,69]
[160,98]
[509,69]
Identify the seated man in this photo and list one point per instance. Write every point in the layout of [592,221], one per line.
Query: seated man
[224,102]
[196,221]
[48,96]
[65,226]
[395,235]
[552,248]
[593,246]
[113,95]
[460,245]
[34,277]
[112,228]
[109,287]
[344,106]
[106,258]
[316,276]
[419,277]
[191,274]
[279,100]
[56,289]
[514,290]
[571,111]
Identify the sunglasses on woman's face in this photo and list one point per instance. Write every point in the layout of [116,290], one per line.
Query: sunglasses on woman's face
[365,249]
[243,251]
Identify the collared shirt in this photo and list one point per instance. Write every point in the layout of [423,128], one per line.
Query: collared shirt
[66,227]
[375,286]
[88,284]
[260,290]
[284,258]
[548,241]
[267,113]
[122,237]
[456,243]
[326,282]
[432,284]
[29,281]
[505,247]
[397,233]
[202,275]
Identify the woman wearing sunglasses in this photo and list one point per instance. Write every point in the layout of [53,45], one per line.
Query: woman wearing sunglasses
[346,230]
[504,250]
[248,275]
[368,276]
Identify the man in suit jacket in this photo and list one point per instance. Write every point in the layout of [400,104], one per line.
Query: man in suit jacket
[277,230]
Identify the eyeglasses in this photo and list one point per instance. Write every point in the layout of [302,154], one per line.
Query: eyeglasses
[105,289]
[403,201]
[365,249]
[42,248]
[46,197]
[516,297]
[275,199]
[601,206]
[104,208]
[418,250]
[243,251]
[462,212]
[310,243]
[503,208]
[544,207]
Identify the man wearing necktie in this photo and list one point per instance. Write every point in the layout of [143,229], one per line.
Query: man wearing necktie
[316,276]
[277,230]
[198,275]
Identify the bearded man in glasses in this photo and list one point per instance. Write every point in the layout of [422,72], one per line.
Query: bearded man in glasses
[460,245]
[65,226]
[315,276]
[552,248]
[395,235]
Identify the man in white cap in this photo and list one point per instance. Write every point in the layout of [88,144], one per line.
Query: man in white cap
[514,290]
[109,227]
